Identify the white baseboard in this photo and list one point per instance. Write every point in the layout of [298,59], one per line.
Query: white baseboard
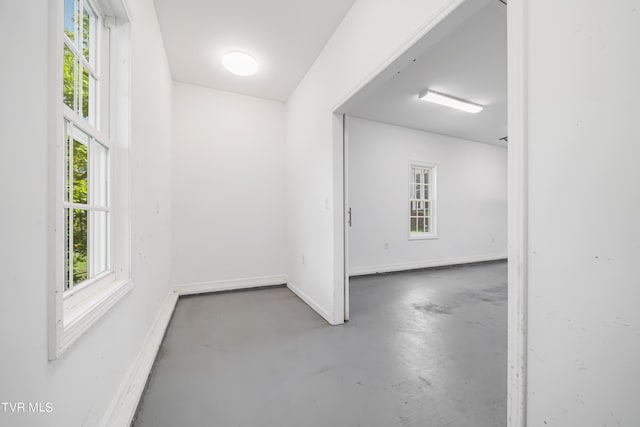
[124,405]
[229,285]
[310,302]
[402,266]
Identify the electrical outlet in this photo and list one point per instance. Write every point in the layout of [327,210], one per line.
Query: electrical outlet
[386,246]
[302,259]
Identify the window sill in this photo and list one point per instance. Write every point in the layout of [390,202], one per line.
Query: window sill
[423,236]
[86,307]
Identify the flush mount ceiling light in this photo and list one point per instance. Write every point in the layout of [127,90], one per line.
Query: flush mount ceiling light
[449,101]
[240,63]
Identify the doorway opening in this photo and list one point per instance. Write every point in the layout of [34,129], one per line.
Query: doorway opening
[429,186]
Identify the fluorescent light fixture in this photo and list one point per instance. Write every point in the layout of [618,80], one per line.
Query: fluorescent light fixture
[449,101]
[240,63]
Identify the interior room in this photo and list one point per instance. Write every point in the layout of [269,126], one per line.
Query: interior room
[391,128]
[436,270]
[421,338]
[264,213]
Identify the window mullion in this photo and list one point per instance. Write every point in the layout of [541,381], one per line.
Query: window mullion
[80,57]
[69,229]
[76,23]
[80,20]
[70,249]
[78,83]
[92,71]
[90,216]
[85,127]
[76,97]
[69,166]
[85,207]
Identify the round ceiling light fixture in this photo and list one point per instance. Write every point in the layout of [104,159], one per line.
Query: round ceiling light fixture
[240,63]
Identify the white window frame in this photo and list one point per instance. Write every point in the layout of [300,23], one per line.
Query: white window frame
[90,206]
[432,200]
[72,312]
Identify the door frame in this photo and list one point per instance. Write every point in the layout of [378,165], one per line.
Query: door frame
[348,220]
[517,54]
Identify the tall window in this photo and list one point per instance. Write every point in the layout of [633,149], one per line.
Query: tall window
[86,151]
[90,181]
[422,200]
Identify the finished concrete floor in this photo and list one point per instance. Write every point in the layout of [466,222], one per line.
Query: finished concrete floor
[423,348]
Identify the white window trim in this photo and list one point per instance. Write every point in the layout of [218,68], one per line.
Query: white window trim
[74,312]
[94,137]
[433,192]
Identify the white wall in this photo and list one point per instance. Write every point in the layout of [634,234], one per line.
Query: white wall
[584,213]
[584,202]
[313,162]
[228,186]
[83,381]
[471,202]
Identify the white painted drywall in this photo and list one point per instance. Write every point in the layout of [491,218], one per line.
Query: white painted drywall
[367,39]
[228,186]
[471,204]
[584,213]
[83,381]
